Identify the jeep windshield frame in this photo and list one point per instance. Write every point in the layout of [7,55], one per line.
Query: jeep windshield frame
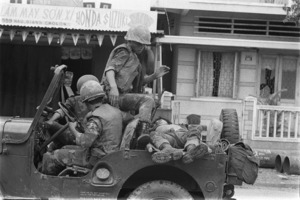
[55,84]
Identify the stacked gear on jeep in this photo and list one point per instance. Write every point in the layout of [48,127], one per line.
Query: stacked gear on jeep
[243,162]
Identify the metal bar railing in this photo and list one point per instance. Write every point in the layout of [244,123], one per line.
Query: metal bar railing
[277,123]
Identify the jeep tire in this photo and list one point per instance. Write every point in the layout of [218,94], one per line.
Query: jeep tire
[230,129]
[160,189]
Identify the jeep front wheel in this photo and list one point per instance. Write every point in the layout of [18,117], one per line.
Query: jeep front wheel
[160,189]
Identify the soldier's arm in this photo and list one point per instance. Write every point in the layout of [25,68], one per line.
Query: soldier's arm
[92,131]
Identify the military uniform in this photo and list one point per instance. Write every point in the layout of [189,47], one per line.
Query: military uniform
[177,136]
[175,142]
[129,79]
[80,110]
[102,136]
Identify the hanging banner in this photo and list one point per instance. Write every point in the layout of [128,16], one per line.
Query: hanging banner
[37,36]
[100,39]
[87,38]
[24,35]
[75,37]
[113,39]
[12,34]
[62,38]
[1,31]
[49,37]
[75,17]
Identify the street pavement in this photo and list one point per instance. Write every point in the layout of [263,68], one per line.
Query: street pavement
[270,185]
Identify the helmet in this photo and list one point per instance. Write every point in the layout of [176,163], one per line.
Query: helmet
[139,34]
[84,79]
[91,90]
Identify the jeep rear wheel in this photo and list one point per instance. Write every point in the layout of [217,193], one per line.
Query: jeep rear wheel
[160,189]
[230,129]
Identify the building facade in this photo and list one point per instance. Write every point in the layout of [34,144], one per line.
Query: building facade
[236,54]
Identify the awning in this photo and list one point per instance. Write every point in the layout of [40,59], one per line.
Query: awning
[75,17]
[229,42]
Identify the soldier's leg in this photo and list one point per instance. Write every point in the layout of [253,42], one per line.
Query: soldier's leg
[144,104]
[56,161]
[194,147]
[166,152]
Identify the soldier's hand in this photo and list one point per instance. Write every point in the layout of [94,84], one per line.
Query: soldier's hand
[72,125]
[161,71]
[114,97]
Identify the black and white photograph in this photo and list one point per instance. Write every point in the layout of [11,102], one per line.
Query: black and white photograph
[150,99]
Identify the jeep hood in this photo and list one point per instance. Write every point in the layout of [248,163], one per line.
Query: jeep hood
[13,128]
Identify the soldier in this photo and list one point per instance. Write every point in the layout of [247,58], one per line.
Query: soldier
[75,105]
[124,77]
[175,142]
[102,134]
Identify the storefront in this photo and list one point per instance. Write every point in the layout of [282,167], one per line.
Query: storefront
[35,37]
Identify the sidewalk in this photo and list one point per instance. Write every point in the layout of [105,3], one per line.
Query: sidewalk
[270,185]
[272,178]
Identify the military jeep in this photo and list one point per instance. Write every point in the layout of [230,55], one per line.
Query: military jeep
[126,174]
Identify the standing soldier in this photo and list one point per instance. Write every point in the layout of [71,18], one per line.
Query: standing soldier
[124,77]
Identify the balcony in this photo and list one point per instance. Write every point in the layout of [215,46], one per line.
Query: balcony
[274,7]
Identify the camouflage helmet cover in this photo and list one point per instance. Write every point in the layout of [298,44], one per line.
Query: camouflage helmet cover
[140,34]
[84,79]
[91,90]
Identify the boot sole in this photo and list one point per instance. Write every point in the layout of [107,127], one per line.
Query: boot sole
[196,153]
[161,157]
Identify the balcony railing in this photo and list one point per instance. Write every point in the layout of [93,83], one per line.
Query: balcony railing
[276,123]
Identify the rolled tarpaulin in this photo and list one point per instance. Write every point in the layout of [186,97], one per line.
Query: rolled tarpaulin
[266,158]
[291,165]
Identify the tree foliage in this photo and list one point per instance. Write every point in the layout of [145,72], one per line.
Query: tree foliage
[293,12]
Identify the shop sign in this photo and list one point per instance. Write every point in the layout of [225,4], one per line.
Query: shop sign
[75,17]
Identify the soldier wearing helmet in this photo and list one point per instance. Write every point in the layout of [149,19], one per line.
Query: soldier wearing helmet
[124,77]
[103,133]
[76,106]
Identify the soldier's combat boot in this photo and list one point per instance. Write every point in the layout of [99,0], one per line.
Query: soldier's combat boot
[195,152]
[166,154]
[144,138]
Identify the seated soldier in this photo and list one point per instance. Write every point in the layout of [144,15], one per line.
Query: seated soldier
[103,134]
[79,109]
[175,142]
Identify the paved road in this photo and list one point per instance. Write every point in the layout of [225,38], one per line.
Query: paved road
[270,185]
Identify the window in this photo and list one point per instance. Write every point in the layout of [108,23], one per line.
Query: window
[216,74]
[105,5]
[15,1]
[278,73]
[89,5]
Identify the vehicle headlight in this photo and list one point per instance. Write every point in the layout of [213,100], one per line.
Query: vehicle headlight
[102,174]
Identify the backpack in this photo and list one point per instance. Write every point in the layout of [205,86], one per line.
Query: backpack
[243,162]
